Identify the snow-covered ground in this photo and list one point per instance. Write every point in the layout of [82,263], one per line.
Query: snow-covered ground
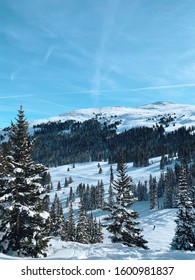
[159,239]
[128,117]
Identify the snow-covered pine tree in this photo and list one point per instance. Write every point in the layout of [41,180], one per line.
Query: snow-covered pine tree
[91,229]
[184,238]
[110,195]
[111,173]
[25,222]
[59,186]
[110,190]
[58,224]
[3,181]
[124,227]
[66,183]
[169,187]
[153,192]
[82,231]
[94,230]
[100,194]
[71,224]
[62,224]
[142,191]
[99,234]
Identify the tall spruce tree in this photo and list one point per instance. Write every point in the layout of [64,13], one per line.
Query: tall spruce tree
[24,201]
[123,226]
[71,223]
[58,224]
[153,192]
[184,238]
[82,232]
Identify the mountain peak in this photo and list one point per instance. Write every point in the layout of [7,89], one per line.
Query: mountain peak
[159,103]
[164,103]
[146,115]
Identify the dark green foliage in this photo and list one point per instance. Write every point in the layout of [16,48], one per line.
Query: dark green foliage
[95,230]
[93,197]
[24,224]
[142,191]
[65,143]
[58,224]
[153,192]
[71,236]
[82,231]
[123,226]
[184,238]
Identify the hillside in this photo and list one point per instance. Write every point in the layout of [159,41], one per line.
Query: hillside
[158,239]
[148,115]
[93,135]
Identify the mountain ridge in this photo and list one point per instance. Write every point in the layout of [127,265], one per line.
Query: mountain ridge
[172,115]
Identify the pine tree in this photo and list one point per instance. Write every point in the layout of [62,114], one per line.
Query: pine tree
[66,183]
[123,226]
[110,195]
[142,191]
[100,170]
[94,230]
[91,229]
[24,202]
[100,195]
[3,181]
[153,191]
[184,238]
[99,234]
[58,225]
[71,224]
[59,186]
[82,235]
[111,174]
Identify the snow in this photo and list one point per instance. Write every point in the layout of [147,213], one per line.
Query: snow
[146,115]
[159,239]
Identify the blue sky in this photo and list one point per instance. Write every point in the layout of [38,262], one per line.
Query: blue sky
[61,55]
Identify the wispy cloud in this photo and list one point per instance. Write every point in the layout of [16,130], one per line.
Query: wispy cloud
[17,72]
[163,87]
[160,87]
[43,101]
[101,51]
[47,55]
[16,96]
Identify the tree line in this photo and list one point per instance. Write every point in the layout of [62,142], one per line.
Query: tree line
[60,143]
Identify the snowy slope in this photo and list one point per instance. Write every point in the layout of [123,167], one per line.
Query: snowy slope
[146,115]
[163,219]
[158,240]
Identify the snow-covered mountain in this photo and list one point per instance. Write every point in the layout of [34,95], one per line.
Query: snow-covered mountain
[175,115]
[172,116]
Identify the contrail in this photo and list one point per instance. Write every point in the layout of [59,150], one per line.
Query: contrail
[49,102]
[128,90]
[163,87]
[15,96]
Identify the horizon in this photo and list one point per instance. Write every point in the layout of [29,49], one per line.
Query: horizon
[59,56]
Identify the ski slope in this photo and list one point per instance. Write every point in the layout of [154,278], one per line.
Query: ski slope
[159,239]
